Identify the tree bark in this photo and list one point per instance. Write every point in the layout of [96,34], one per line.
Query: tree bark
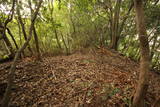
[141,89]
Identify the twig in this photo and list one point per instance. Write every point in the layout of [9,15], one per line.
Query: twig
[53,73]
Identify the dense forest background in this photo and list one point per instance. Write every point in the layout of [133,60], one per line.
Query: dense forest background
[39,28]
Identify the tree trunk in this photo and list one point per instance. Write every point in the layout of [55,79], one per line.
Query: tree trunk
[141,89]
[115,24]
[64,42]
[37,43]
[3,27]
[7,95]
[8,43]
[23,27]
[58,42]
[20,36]
[9,32]
[9,19]
[34,32]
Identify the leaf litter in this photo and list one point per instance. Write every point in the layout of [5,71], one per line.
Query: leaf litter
[100,78]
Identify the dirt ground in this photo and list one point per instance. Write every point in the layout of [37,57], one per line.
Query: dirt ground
[93,79]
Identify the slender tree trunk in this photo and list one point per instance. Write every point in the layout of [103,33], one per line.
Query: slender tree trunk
[115,29]
[125,19]
[20,36]
[9,32]
[73,24]
[58,42]
[141,89]
[69,42]
[8,43]
[37,43]
[35,33]
[4,27]
[66,47]
[23,27]
[7,95]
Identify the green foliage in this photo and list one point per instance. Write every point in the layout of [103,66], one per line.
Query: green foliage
[5,56]
[152,15]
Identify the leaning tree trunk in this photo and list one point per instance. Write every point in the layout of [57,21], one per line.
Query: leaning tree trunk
[11,35]
[7,95]
[35,33]
[141,89]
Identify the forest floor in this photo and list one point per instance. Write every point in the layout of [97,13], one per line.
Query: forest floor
[98,78]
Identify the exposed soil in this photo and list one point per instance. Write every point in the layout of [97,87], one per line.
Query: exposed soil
[98,78]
